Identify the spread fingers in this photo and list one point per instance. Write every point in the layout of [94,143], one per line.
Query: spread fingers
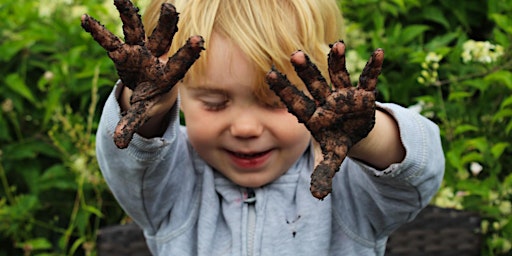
[161,38]
[132,24]
[338,73]
[371,72]
[295,100]
[103,36]
[311,76]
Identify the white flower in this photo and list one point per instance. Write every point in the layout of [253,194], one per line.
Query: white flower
[446,198]
[505,207]
[433,57]
[48,75]
[466,56]
[7,105]
[475,168]
[481,51]
[355,64]
[428,74]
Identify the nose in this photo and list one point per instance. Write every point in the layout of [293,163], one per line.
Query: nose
[246,125]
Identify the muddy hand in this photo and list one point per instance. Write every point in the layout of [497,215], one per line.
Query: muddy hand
[138,64]
[337,117]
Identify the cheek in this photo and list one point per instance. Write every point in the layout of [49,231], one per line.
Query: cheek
[299,139]
[294,140]
[202,140]
[195,123]
[291,133]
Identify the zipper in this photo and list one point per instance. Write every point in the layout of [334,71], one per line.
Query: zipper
[251,220]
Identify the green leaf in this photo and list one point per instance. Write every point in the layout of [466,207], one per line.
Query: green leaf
[57,177]
[498,149]
[501,38]
[459,95]
[498,116]
[435,14]
[442,40]
[76,245]
[501,77]
[93,210]
[503,21]
[508,128]
[411,32]
[472,157]
[461,17]
[25,206]
[479,84]
[29,149]
[454,159]
[465,128]
[506,102]
[13,46]
[40,243]
[16,84]
[480,144]
[52,102]
[508,180]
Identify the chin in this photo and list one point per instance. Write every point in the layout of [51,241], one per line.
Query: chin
[253,182]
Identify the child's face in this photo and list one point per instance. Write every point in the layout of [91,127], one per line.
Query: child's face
[250,143]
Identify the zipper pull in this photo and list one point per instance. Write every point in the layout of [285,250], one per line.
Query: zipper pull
[251,197]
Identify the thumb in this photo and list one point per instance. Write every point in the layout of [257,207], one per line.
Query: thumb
[321,179]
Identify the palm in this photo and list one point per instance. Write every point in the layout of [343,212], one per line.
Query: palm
[337,118]
[138,64]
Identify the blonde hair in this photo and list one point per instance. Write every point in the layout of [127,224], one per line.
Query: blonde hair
[267,31]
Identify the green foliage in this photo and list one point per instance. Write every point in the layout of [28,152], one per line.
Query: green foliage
[452,61]
[55,79]
[53,199]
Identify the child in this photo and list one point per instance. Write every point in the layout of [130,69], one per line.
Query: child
[235,180]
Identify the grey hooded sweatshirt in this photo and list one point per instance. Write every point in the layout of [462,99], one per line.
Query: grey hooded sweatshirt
[187,208]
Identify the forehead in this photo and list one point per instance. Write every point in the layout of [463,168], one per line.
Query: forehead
[224,65]
[226,68]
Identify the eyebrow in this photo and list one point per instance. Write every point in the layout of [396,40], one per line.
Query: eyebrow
[207,89]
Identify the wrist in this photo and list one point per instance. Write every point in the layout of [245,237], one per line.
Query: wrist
[123,96]
[383,146]
[159,114]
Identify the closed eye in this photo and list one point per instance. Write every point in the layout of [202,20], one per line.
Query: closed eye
[213,101]
[215,105]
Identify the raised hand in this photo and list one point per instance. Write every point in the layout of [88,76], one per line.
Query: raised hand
[139,64]
[337,117]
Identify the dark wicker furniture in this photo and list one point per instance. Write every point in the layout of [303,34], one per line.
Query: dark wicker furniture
[435,231]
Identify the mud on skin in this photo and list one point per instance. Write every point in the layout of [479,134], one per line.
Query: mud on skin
[137,61]
[337,117]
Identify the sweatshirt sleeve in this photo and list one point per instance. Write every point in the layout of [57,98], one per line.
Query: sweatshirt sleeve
[370,203]
[146,178]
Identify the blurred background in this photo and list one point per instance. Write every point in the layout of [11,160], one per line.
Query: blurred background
[449,60]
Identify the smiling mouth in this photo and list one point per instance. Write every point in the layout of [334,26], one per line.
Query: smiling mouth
[250,161]
[248,156]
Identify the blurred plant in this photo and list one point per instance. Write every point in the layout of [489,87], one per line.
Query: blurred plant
[53,198]
[483,52]
[456,69]
[429,74]
[449,60]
